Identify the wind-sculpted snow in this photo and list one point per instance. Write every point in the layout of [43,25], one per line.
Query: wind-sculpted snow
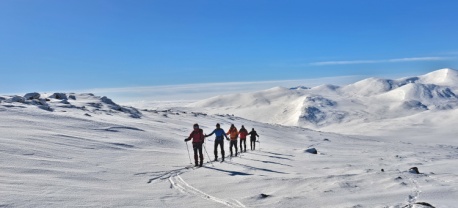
[63,158]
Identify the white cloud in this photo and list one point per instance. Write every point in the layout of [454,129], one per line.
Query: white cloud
[418,59]
[412,59]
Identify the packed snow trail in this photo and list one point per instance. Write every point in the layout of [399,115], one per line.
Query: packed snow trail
[181,185]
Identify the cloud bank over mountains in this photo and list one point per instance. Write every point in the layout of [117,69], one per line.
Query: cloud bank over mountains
[194,92]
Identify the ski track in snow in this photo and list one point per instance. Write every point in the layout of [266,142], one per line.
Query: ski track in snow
[165,174]
[178,183]
[415,192]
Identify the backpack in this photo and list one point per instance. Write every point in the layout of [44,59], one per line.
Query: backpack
[198,136]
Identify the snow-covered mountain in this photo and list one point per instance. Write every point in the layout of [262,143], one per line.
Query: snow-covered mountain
[83,150]
[348,109]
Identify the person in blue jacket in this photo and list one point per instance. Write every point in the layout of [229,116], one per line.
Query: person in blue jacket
[219,140]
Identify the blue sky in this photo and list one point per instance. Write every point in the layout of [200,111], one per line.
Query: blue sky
[90,44]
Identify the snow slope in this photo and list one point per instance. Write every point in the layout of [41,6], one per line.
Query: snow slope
[81,150]
[369,107]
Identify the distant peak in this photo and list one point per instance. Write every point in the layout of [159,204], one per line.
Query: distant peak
[277,88]
[326,86]
[299,88]
[441,76]
[443,72]
[447,69]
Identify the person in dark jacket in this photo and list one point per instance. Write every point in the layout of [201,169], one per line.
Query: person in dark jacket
[198,137]
[253,136]
[219,140]
[243,133]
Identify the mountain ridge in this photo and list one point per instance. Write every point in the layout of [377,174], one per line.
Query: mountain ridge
[331,107]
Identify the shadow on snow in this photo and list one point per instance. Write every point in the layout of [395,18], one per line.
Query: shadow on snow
[255,168]
[231,173]
[265,161]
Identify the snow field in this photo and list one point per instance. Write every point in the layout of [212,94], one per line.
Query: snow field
[82,150]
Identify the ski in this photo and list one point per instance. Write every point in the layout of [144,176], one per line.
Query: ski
[193,167]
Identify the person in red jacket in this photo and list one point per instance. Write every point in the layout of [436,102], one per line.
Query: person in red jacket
[243,132]
[197,136]
[233,134]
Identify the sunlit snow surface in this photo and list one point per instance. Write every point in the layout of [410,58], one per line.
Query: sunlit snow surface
[87,151]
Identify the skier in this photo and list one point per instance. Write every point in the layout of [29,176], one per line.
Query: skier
[253,135]
[243,132]
[198,137]
[219,140]
[233,134]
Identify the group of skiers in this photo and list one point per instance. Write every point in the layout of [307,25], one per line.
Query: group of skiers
[198,138]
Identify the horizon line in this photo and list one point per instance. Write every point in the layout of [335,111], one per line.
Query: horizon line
[393,60]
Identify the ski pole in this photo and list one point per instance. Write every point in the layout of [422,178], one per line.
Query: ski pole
[240,153]
[230,149]
[208,155]
[190,161]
